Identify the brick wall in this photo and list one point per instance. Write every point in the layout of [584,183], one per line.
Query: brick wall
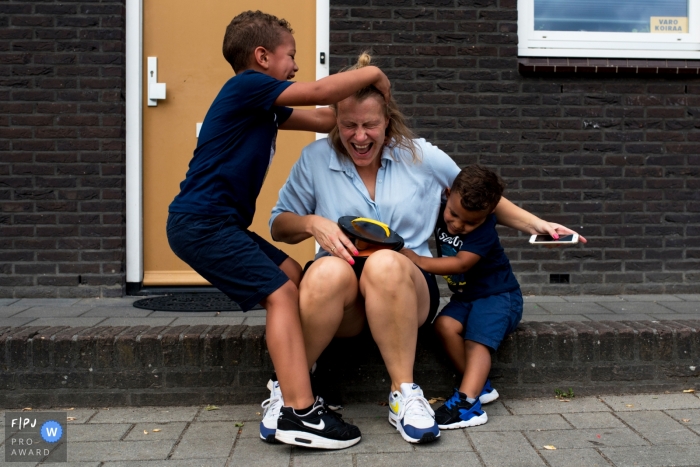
[61,148]
[616,157]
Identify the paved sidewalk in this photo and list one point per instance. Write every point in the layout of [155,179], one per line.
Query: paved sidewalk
[120,312]
[639,430]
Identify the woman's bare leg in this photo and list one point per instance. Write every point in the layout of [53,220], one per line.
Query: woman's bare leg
[397,302]
[328,305]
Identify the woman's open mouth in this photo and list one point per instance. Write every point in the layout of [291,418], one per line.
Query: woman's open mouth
[362,149]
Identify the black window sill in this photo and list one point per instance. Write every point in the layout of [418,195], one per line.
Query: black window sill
[608,66]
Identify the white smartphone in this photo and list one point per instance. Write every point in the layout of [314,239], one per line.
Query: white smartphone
[548,240]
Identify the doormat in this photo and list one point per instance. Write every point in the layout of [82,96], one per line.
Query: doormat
[191,302]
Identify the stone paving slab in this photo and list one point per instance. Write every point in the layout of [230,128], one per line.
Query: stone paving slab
[542,299]
[169,463]
[648,456]
[555,318]
[505,448]
[120,450]
[8,301]
[552,405]
[15,322]
[684,307]
[417,459]
[580,430]
[154,322]
[146,415]
[574,308]
[651,298]
[659,428]
[144,431]
[578,439]
[121,301]
[194,320]
[118,312]
[11,310]
[691,415]
[636,307]
[522,423]
[71,322]
[588,457]
[102,432]
[652,402]
[593,420]
[53,311]
[47,301]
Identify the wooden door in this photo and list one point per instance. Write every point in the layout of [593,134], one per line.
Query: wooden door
[186,37]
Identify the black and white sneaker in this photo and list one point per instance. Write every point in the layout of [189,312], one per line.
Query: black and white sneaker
[319,428]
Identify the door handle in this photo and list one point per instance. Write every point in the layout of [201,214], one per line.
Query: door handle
[156,90]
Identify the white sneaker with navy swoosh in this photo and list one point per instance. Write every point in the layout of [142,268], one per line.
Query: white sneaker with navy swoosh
[319,428]
[271,411]
[411,414]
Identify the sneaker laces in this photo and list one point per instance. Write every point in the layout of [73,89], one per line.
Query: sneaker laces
[416,405]
[452,400]
[271,404]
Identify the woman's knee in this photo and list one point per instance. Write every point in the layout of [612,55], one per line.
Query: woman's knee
[386,268]
[328,277]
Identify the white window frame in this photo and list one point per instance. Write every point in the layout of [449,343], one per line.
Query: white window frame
[533,43]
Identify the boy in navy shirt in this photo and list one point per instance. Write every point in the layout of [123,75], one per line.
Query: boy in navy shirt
[208,220]
[487,304]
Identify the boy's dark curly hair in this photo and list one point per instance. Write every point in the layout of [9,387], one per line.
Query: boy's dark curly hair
[249,30]
[479,188]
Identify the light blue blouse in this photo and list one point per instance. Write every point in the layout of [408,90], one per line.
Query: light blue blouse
[407,195]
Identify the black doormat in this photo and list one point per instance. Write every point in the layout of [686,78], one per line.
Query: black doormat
[190,302]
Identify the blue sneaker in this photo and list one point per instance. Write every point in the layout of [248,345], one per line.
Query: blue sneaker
[271,412]
[488,394]
[457,412]
[411,414]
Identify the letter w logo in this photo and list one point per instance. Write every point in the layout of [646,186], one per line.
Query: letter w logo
[52,431]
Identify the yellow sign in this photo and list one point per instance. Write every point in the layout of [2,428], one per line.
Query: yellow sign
[669,24]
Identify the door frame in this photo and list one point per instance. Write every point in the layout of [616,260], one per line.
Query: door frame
[134,127]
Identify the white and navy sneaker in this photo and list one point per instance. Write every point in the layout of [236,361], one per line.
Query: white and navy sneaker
[271,411]
[488,394]
[319,428]
[458,412]
[411,414]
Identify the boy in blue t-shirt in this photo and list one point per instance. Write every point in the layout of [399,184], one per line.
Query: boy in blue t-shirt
[208,220]
[487,304]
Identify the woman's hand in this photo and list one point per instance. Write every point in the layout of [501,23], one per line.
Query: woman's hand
[554,230]
[383,85]
[332,239]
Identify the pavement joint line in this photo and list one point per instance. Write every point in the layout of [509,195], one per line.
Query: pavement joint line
[600,452]
[537,450]
[567,421]
[235,443]
[614,414]
[473,446]
[179,438]
[126,433]
[686,427]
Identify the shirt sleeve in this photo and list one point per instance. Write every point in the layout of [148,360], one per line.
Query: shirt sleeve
[297,194]
[282,113]
[260,90]
[481,240]
[443,167]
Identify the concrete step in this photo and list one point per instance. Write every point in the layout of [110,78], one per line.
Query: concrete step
[50,366]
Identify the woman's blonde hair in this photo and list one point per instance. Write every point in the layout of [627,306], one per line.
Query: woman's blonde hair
[397,133]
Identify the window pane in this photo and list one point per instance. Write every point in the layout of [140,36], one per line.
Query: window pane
[610,15]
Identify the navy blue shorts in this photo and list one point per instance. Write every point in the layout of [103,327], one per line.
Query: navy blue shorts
[236,261]
[487,320]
